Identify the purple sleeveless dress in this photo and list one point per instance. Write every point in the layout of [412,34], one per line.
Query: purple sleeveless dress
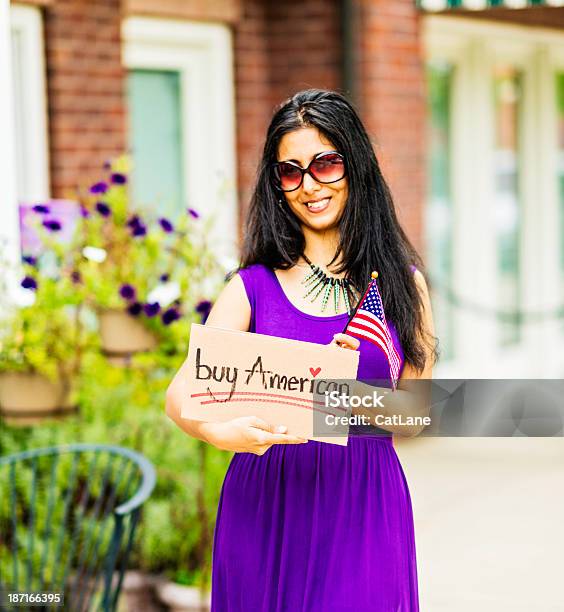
[314,527]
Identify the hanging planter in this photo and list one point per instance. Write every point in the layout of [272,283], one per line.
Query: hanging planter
[28,398]
[122,335]
[143,275]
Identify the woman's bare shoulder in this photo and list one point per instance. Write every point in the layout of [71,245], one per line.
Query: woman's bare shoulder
[232,309]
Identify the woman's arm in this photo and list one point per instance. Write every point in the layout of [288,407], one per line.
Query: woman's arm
[231,311]
[246,434]
[413,394]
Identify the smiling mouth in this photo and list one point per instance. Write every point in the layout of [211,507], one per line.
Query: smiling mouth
[317,205]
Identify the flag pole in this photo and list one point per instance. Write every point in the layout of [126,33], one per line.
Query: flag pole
[374,276]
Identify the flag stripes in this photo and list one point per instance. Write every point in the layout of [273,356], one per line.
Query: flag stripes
[369,323]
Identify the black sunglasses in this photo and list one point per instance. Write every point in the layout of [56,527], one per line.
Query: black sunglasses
[327,167]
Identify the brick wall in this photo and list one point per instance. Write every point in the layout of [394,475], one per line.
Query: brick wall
[305,46]
[252,87]
[280,48]
[85,89]
[392,99]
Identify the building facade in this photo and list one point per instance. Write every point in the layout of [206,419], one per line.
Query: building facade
[465,107]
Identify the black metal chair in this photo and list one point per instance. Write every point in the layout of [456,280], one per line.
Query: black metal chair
[67,520]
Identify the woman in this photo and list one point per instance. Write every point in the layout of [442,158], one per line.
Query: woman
[305,525]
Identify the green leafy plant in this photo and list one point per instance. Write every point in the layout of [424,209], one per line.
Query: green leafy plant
[40,327]
[157,270]
[122,257]
[151,267]
[125,406]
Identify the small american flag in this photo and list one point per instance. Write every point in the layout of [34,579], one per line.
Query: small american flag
[369,323]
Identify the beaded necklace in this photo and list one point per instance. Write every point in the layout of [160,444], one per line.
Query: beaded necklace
[318,283]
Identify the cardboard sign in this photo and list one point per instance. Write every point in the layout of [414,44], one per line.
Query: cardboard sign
[232,374]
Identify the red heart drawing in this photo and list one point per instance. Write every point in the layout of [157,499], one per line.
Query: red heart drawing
[315,371]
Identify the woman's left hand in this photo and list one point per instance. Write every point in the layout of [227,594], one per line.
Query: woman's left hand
[345,341]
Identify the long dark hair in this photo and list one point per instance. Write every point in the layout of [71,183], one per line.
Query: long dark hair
[370,236]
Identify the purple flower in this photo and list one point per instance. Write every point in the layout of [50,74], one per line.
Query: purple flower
[30,259]
[42,209]
[203,306]
[135,309]
[134,221]
[137,226]
[100,187]
[170,315]
[84,212]
[29,282]
[118,178]
[139,230]
[52,225]
[103,209]
[151,309]
[164,278]
[166,225]
[203,309]
[194,213]
[127,292]
[75,276]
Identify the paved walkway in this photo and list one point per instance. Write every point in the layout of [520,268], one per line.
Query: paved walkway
[489,522]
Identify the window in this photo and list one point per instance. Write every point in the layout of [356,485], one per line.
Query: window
[23,155]
[439,200]
[507,212]
[156,138]
[559,86]
[181,108]
[495,205]
[29,104]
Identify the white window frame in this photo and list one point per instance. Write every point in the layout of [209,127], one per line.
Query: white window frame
[474,47]
[27,27]
[9,232]
[202,54]
[29,159]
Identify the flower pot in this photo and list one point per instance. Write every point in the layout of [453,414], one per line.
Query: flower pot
[179,598]
[29,398]
[122,334]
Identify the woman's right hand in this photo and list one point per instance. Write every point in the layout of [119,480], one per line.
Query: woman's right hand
[247,435]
